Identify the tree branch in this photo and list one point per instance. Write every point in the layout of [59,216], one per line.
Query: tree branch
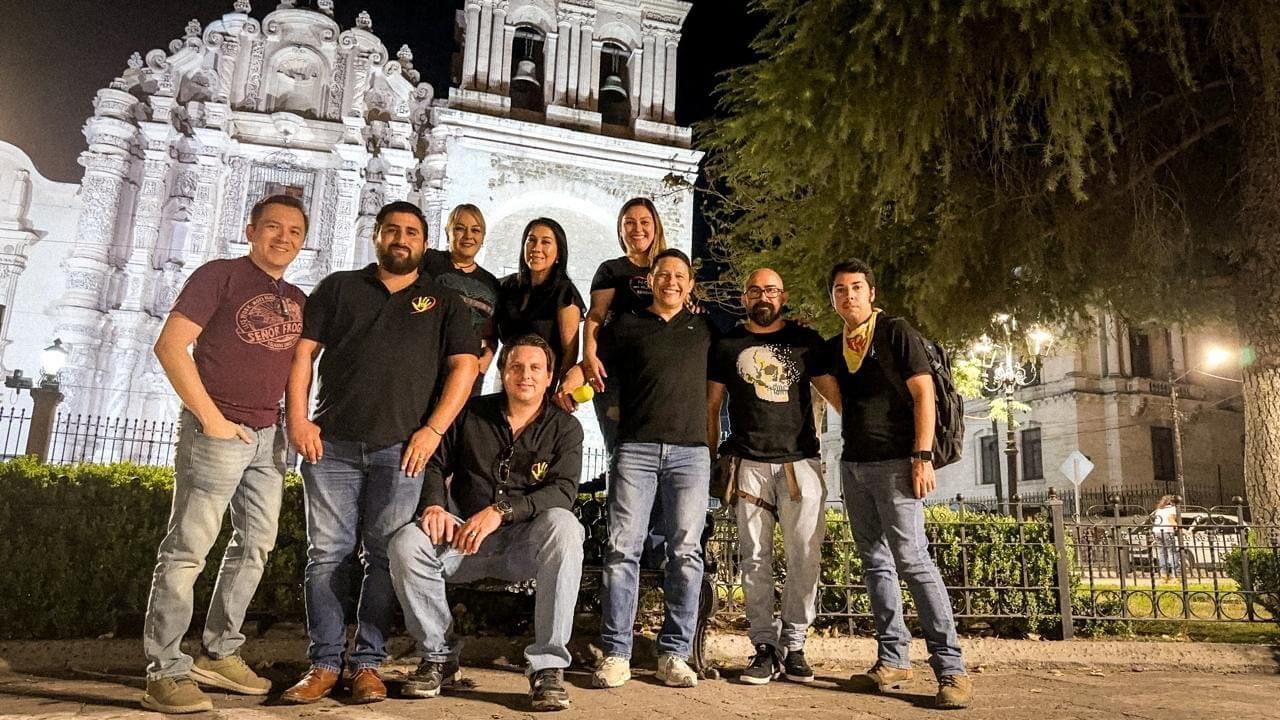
[1169,155]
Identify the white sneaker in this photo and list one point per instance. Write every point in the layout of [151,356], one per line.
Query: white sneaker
[675,672]
[612,673]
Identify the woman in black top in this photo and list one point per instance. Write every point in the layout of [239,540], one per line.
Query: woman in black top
[540,299]
[620,286]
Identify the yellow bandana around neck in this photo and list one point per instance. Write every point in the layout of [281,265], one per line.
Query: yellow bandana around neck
[857,341]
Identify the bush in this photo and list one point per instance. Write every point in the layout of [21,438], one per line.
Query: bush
[1264,574]
[80,544]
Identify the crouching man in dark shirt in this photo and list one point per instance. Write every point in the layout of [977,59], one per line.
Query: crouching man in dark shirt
[515,460]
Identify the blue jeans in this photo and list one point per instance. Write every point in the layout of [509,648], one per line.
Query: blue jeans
[357,498]
[547,549]
[210,475]
[641,472]
[888,527]
[1166,551]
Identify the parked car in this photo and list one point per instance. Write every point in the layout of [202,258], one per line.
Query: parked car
[1206,539]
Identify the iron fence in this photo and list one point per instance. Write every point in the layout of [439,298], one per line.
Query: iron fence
[1132,498]
[92,438]
[1037,567]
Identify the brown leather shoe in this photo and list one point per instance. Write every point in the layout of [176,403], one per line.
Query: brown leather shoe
[316,684]
[367,687]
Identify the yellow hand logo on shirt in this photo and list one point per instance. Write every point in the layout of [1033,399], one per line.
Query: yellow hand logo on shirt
[538,471]
[422,303]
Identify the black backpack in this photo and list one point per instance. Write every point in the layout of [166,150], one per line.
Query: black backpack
[948,431]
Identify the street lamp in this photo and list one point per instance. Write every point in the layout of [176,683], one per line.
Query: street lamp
[1214,357]
[1007,374]
[45,397]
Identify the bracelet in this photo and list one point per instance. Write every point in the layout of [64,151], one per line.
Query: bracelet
[437,432]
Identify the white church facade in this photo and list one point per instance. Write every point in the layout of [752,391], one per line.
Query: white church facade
[562,108]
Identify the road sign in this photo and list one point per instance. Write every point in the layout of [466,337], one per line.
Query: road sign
[1076,467]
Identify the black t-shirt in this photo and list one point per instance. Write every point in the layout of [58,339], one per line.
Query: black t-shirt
[878,422]
[629,283]
[383,353]
[539,316]
[770,400]
[660,370]
[478,288]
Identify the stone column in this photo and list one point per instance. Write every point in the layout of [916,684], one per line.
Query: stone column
[633,70]
[109,132]
[550,67]
[565,39]
[585,90]
[596,47]
[471,44]
[16,238]
[485,33]
[575,59]
[342,249]
[669,86]
[153,193]
[659,77]
[498,69]
[646,79]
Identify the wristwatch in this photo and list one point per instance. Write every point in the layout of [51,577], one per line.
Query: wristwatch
[504,509]
[923,455]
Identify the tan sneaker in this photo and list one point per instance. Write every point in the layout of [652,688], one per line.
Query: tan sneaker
[675,672]
[230,673]
[954,692]
[612,673]
[885,677]
[175,695]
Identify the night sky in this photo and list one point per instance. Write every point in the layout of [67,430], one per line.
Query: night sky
[55,54]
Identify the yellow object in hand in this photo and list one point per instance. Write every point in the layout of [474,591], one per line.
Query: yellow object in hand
[583,394]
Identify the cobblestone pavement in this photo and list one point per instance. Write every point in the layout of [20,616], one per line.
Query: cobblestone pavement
[1009,694]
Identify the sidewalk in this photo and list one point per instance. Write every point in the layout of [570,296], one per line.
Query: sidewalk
[1020,680]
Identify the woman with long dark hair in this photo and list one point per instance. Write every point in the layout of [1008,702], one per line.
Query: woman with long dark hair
[540,299]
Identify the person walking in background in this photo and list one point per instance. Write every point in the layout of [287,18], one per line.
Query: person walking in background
[226,348]
[540,299]
[1164,535]
[457,269]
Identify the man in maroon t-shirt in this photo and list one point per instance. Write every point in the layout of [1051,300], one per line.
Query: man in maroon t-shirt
[226,348]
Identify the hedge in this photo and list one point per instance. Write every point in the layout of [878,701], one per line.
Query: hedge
[80,544]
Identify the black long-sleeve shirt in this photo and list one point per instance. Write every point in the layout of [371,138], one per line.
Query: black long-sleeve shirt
[534,472]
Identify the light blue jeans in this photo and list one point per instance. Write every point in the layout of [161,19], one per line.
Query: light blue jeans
[888,527]
[211,475]
[1166,551]
[547,549]
[357,498]
[641,472]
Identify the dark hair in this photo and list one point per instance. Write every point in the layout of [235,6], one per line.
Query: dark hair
[671,253]
[286,200]
[558,269]
[851,265]
[530,340]
[659,235]
[400,206]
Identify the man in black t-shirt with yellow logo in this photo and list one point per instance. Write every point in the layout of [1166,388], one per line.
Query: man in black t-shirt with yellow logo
[764,364]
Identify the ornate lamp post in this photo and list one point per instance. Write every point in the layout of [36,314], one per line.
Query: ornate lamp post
[45,397]
[1008,373]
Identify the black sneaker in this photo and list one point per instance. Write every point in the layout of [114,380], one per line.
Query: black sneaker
[796,669]
[764,666]
[546,690]
[429,678]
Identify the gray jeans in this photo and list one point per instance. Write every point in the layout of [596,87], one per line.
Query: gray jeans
[211,475]
[547,548]
[803,529]
[888,527]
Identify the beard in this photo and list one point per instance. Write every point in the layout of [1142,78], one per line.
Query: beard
[396,264]
[764,314]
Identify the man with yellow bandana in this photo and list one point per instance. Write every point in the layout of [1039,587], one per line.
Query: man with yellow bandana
[886,391]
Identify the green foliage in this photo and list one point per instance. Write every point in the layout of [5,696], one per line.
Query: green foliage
[1039,158]
[80,544]
[985,554]
[1263,577]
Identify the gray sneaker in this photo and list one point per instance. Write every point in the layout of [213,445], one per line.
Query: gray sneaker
[229,673]
[175,695]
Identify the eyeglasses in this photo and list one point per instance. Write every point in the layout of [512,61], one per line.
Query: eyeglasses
[282,307]
[770,292]
[504,465]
